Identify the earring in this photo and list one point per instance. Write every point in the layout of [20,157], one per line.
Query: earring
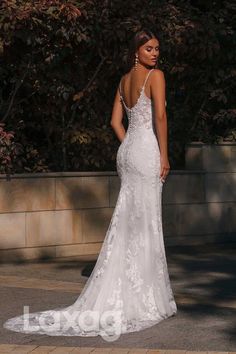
[136,62]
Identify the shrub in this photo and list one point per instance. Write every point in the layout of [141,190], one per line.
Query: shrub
[9,150]
[61,63]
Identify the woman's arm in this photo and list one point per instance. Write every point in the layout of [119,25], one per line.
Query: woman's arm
[117,117]
[157,84]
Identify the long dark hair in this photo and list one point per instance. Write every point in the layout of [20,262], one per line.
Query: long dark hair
[141,37]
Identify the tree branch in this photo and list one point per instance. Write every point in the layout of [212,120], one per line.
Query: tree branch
[17,86]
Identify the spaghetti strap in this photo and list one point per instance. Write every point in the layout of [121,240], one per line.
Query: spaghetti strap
[147,78]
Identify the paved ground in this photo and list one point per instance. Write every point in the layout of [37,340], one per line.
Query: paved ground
[89,350]
[203,281]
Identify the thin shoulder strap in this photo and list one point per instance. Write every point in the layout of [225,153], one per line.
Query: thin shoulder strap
[147,77]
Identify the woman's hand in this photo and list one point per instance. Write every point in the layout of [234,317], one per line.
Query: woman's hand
[165,168]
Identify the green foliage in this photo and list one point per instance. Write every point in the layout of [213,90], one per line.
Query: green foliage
[61,62]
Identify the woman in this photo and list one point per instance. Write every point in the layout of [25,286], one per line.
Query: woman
[129,288]
[146,56]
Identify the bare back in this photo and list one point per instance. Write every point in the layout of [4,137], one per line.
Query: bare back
[131,85]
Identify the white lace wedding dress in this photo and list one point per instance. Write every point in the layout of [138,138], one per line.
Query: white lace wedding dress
[129,288]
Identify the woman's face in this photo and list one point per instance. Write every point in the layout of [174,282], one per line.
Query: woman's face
[149,52]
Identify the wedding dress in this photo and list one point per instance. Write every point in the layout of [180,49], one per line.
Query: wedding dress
[129,288]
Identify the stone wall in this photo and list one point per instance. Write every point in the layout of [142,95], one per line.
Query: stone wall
[219,204]
[67,214]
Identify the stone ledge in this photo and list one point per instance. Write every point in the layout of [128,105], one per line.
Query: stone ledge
[81,174]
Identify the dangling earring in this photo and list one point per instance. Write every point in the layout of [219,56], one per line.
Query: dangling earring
[136,62]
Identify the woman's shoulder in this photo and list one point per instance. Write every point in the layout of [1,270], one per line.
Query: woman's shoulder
[157,73]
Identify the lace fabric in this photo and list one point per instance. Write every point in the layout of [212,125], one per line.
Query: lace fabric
[130,281]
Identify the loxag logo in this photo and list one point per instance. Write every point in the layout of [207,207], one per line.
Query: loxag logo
[108,324]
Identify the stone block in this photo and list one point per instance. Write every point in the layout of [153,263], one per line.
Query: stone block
[184,188]
[194,156]
[46,252]
[170,220]
[230,216]
[95,224]
[7,348]
[83,350]
[20,349]
[197,219]
[220,187]
[82,192]
[20,254]
[78,249]
[114,189]
[223,215]
[194,220]
[53,228]
[27,194]
[12,230]
[219,158]
[211,157]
